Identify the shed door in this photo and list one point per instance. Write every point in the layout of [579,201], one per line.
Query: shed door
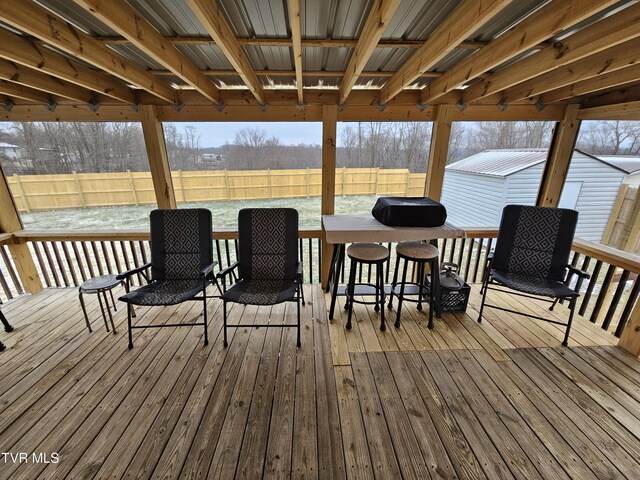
[570,194]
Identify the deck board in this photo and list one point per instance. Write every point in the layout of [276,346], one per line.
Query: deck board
[497,399]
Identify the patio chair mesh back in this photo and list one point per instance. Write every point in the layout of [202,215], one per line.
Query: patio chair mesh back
[181,243]
[535,241]
[268,243]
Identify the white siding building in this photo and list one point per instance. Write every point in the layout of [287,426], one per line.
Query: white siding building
[476,188]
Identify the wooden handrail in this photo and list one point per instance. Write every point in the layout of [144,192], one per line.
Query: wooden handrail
[5,238]
[612,256]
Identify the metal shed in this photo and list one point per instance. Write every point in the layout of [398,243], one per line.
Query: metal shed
[476,188]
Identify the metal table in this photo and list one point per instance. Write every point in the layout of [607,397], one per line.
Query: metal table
[342,229]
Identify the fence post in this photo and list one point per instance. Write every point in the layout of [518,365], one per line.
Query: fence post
[307,181]
[377,184]
[269,182]
[79,187]
[184,197]
[20,192]
[226,184]
[406,183]
[133,187]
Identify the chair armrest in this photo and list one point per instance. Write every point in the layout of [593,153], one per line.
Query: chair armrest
[576,271]
[227,271]
[208,269]
[129,273]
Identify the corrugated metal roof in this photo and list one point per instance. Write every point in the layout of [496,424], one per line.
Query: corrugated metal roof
[628,163]
[500,163]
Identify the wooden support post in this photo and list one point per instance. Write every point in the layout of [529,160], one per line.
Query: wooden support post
[158,157]
[329,126]
[438,152]
[634,228]
[83,203]
[559,158]
[10,222]
[630,338]
[615,212]
[21,192]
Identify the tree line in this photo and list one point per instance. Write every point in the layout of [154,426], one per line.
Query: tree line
[48,147]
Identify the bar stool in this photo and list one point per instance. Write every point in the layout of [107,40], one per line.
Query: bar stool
[366,254]
[421,254]
[100,285]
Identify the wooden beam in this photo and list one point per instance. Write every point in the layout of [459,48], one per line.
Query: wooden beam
[10,222]
[34,20]
[329,140]
[623,76]
[124,19]
[19,50]
[212,18]
[45,83]
[158,157]
[288,42]
[296,40]
[559,158]
[438,152]
[466,19]
[380,15]
[630,338]
[608,60]
[607,112]
[18,91]
[541,25]
[292,73]
[595,38]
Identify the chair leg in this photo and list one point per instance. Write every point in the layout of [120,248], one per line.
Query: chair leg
[301,293]
[2,347]
[5,322]
[224,320]
[420,283]
[86,318]
[485,283]
[350,292]
[380,285]
[572,307]
[204,314]
[555,301]
[432,295]
[299,343]
[106,302]
[104,315]
[394,283]
[401,294]
[129,310]
[113,300]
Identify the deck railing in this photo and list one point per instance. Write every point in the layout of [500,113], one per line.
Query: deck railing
[67,258]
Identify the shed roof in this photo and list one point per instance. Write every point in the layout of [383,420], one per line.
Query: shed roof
[505,162]
[628,163]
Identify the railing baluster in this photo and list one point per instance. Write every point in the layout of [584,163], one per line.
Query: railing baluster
[143,251]
[310,246]
[87,257]
[478,255]
[79,261]
[63,270]
[454,244]
[12,273]
[43,268]
[52,267]
[626,313]
[97,258]
[116,258]
[444,248]
[3,282]
[615,300]
[72,270]
[592,283]
[107,260]
[467,265]
[603,292]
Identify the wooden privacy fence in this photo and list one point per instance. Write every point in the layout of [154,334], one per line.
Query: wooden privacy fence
[80,190]
[623,229]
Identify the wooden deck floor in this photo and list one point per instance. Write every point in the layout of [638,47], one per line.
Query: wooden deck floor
[499,399]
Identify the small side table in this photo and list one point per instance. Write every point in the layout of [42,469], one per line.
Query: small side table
[100,285]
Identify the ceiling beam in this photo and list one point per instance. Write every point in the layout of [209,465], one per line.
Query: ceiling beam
[296,40]
[611,112]
[18,91]
[19,50]
[613,30]
[541,25]
[291,73]
[51,29]
[623,76]
[43,82]
[609,60]
[288,42]
[466,19]
[213,20]
[125,20]
[380,15]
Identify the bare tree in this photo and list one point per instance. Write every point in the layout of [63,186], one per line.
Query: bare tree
[612,137]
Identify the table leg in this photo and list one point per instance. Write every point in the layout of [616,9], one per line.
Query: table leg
[337,268]
[332,269]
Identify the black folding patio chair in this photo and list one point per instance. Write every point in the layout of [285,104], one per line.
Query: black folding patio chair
[181,265]
[7,327]
[531,259]
[268,268]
